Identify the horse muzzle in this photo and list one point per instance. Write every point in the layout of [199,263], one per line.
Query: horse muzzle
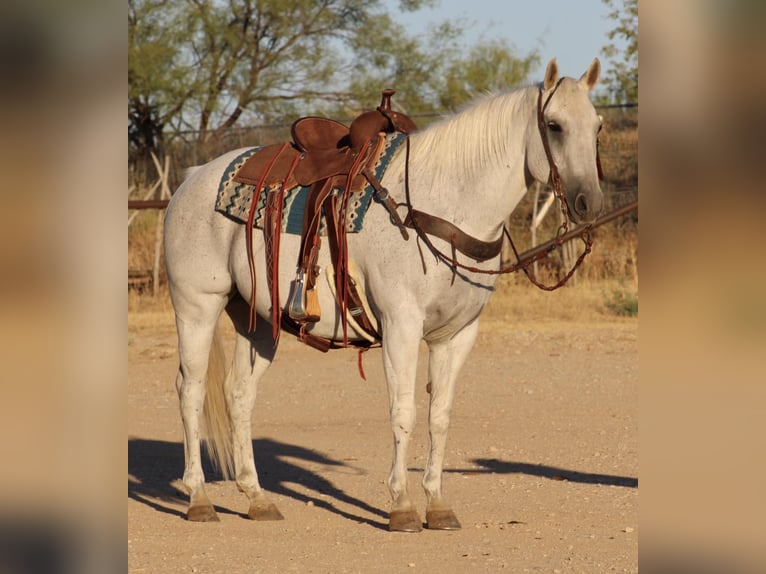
[586,206]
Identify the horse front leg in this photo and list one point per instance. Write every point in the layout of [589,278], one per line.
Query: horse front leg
[445,361]
[400,359]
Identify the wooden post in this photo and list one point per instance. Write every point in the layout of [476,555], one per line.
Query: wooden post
[538,215]
[567,254]
[533,223]
[164,194]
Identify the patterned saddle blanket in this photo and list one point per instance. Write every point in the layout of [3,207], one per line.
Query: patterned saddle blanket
[234,198]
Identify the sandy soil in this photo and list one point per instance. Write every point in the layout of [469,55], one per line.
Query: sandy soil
[541,469]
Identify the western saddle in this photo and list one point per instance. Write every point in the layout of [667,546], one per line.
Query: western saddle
[324,155]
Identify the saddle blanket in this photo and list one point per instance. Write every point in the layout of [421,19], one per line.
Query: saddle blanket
[234,198]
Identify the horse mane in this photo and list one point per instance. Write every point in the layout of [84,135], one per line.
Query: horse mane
[476,137]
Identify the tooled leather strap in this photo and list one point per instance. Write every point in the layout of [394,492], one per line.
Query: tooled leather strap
[249,231]
[352,300]
[310,242]
[340,261]
[272,230]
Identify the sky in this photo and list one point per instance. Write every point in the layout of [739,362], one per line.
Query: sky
[572,31]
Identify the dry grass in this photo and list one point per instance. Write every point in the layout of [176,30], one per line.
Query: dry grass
[141,241]
[618,143]
[148,312]
[517,301]
[604,288]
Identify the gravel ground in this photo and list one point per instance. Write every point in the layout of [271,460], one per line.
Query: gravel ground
[541,467]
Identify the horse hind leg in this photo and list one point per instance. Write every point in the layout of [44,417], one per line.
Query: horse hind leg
[195,337]
[253,354]
[445,360]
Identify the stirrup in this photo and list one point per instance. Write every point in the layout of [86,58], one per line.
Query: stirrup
[303,303]
[296,308]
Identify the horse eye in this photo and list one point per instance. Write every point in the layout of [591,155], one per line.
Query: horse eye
[554,127]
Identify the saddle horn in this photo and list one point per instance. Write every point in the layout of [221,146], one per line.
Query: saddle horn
[382,119]
[385,101]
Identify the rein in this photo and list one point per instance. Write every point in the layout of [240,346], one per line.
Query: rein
[424,223]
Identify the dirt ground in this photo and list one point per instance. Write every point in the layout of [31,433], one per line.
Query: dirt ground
[541,466]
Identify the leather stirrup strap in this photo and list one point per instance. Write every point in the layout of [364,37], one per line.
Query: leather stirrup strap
[340,261]
[307,255]
[353,300]
[249,231]
[272,230]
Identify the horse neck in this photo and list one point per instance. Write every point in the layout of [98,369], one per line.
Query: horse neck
[469,168]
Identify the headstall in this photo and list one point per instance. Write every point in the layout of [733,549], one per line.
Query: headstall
[425,224]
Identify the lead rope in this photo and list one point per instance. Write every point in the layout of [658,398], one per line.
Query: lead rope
[524,266]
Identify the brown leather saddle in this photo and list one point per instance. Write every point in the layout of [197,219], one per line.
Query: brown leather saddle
[324,155]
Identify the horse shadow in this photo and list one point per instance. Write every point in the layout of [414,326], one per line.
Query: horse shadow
[155,466]
[496,466]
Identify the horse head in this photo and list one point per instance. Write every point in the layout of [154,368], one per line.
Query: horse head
[562,141]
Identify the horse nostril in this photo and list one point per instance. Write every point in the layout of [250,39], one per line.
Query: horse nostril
[581,204]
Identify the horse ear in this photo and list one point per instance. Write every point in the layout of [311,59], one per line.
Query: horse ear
[551,75]
[590,78]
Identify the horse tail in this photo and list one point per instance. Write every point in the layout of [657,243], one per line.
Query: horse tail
[215,414]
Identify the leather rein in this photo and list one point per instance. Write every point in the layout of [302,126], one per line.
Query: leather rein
[425,224]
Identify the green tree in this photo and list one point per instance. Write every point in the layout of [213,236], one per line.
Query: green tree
[489,66]
[435,74]
[158,86]
[203,65]
[207,65]
[621,78]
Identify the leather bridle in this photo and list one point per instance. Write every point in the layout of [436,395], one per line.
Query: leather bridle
[425,224]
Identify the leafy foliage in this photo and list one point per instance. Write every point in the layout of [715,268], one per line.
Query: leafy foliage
[623,303]
[159,82]
[207,65]
[621,79]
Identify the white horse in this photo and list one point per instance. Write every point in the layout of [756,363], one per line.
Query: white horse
[470,169]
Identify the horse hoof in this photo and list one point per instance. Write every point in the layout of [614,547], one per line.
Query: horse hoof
[404,521]
[442,520]
[263,512]
[204,513]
